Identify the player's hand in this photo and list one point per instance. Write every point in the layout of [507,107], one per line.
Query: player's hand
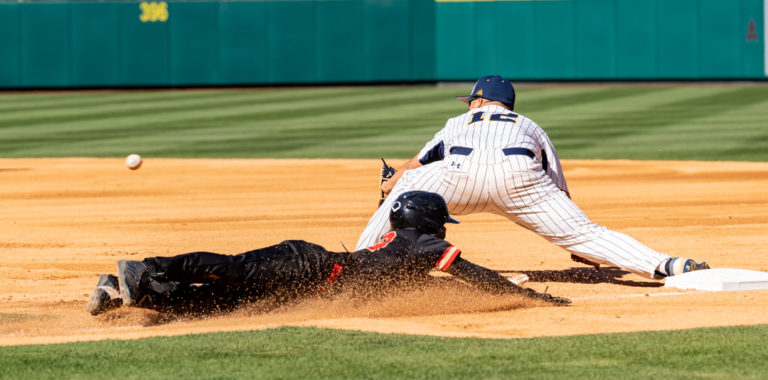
[548,298]
[386,173]
[386,188]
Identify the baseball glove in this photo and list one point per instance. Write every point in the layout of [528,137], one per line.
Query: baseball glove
[386,173]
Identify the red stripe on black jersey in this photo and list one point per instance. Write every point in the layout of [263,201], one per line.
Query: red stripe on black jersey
[384,241]
[335,274]
[450,254]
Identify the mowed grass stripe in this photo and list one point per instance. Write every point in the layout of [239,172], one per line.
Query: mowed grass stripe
[27,102]
[623,115]
[116,105]
[159,116]
[577,98]
[279,104]
[735,135]
[280,135]
[227,104]
[107,108]
[414,113]
[12,100]
[641,98]
[188,119]
[651,132]
[406,112]
[55,99]
[733,352]
[86,107]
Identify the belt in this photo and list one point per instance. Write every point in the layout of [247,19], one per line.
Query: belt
[518,151]
[460,150]
[464,151]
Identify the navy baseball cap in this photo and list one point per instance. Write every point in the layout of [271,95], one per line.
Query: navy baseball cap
[492,87]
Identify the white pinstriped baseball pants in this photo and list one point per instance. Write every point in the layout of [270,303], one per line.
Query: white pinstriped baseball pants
[517,188]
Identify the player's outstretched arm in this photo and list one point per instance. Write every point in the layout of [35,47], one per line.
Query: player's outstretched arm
[492,282]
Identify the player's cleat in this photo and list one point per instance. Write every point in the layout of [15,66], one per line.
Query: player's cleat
[105,296]
[518,279]
[130,275]
[680,265]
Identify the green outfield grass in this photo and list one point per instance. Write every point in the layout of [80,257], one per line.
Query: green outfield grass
[719,353]
[690,122]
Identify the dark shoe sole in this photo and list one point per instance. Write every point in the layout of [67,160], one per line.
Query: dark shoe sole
[105,295]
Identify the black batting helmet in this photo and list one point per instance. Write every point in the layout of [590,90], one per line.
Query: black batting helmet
[420,209]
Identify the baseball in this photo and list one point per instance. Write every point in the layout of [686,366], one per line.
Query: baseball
[133,161]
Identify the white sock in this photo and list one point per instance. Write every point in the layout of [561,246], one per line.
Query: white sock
[663,267]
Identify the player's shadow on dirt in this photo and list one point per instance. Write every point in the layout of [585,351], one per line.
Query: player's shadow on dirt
[582,275]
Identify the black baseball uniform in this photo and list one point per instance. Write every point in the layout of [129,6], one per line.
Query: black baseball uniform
[296,268]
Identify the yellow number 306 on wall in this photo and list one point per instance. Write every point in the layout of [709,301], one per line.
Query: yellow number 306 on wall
[153,11]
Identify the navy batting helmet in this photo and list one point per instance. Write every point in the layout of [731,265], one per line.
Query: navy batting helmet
[420,209]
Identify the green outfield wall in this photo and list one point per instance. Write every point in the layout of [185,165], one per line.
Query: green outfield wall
[193,43]
[602,39]
[65,44]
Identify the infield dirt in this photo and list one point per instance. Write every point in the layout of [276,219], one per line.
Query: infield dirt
[64,221]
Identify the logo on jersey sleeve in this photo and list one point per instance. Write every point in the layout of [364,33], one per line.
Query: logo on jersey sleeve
[384,241]
[450,254]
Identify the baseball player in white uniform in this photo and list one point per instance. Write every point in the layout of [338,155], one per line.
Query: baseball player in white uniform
[491,159]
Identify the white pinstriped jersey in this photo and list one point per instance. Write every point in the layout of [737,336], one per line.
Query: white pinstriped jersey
[493,128]
[493,160]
